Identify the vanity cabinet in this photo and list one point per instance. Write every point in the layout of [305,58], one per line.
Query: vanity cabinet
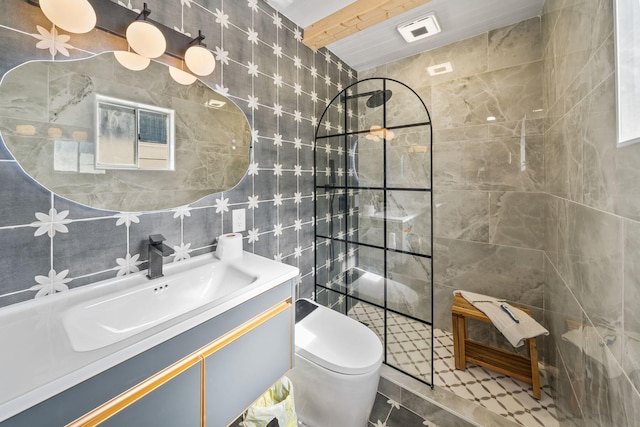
[175,403]
[207,375]
[245,367]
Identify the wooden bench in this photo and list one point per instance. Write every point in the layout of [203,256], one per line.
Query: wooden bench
[466,350]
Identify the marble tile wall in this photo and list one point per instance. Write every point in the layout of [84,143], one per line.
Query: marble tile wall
[280,85]
[488,174]
[591,239]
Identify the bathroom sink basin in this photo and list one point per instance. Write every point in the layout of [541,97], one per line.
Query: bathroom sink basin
[102,321]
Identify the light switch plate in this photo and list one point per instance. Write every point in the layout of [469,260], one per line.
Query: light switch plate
[239,220]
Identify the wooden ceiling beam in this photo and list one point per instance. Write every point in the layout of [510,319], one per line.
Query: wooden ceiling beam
[355,17]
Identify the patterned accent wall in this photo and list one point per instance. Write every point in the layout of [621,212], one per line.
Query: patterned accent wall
[49,244]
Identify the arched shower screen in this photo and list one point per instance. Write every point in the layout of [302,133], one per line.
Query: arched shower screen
[374,217]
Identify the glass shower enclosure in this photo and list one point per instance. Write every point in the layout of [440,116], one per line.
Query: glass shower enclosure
[374,217]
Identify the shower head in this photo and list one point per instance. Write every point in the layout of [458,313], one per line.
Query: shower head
[378,98]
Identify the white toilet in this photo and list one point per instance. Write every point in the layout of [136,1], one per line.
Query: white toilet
[337,368]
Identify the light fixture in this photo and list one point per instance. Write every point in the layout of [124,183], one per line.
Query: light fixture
[198,58]
[74,16]
[131,60]
[181,76]
[144,37]
[436,70]
[378,132]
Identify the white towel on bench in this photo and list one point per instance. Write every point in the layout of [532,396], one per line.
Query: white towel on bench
[516,333]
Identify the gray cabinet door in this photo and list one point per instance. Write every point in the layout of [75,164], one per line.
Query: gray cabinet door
[239,373]
[175,403]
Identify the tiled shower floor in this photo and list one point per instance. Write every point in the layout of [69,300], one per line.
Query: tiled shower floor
[408,350]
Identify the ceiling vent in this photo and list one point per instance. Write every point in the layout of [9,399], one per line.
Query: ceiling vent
[419,28]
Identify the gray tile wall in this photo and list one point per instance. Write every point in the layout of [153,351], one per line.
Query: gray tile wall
[562,235]
[80,245]
[488,196]
[591,228]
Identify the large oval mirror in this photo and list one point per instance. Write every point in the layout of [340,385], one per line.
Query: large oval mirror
[99,134]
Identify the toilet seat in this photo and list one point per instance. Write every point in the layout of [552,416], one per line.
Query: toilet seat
[337,342]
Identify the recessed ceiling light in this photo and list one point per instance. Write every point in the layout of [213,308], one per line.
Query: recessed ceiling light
[438,69]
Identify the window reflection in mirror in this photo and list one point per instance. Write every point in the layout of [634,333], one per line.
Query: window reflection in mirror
[131,135]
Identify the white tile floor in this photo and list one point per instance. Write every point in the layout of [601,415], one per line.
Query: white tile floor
[499,393]
[409,349]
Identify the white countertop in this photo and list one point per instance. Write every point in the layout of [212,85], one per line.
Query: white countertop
[37,360]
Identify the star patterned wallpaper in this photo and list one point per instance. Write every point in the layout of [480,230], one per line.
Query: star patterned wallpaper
[49,244]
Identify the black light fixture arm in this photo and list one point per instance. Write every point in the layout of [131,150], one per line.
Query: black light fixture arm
[144,14]
[198,40]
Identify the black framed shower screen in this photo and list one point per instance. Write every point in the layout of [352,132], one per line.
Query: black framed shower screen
[374,217]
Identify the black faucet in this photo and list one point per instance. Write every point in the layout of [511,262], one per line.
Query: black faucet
[157,250]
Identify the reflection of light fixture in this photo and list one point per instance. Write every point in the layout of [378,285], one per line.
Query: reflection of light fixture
[131,60]
[491,119]
[28,130]
[198,58]
[79,135]
[215,103]
[54,132]
[181,77]
[144,37]
[378,132]
[74,16]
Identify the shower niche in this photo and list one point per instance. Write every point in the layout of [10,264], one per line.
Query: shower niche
[374,217]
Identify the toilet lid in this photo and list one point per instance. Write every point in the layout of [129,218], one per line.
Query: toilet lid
[337,342]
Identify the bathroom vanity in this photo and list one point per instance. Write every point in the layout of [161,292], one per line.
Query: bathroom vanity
[202,367]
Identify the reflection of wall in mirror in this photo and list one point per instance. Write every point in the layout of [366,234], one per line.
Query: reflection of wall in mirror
[74,156]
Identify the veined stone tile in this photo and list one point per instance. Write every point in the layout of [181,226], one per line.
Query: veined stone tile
[508,164]
[599,67]
[515,128]
[590,256]
[563,164]
[515,274]
[517,219]
[515,44]
[600,151]
[631,350]
[447,165]
[627,202]
[471,100]
[462,215]
[461,134]
[551,228]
